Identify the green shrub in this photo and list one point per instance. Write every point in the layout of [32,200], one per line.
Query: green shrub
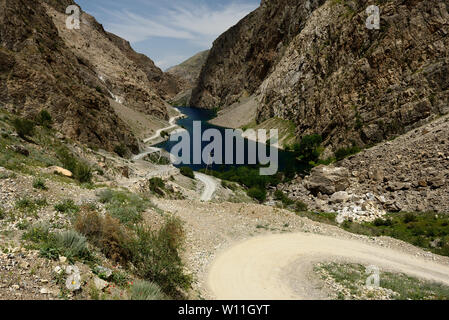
[2,214]
[72,245]
[39,183]
[121,150]
[144,290]
[83,172]
[67,159]
[44,119]
[280,196]
[188,172]
[308,150]
[301,206]
[125,206]
[346,152]
[157,186]
[106,233]
[30,205]
[156,257]
[258,194]
[23,127]
[67,206]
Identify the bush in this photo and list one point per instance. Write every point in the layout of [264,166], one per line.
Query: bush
[308,150]
[23,127]
[72,245]
[188,172]
[125,206]
[44,119]
[301,206]
[106,233]
[67,206]
[155,257]
[144,290]
[157,186]
[39,183]
[280,196]
[121,150]
[258,194]
[346,152]
[2,214]
[69,243]
[83,172]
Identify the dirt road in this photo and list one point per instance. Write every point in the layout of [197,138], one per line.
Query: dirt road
[277,266]
[210,186]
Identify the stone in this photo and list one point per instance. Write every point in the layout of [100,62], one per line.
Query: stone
[106,272]
[62,259]
[100,284]
[60,171]
[340,197]
[327,180]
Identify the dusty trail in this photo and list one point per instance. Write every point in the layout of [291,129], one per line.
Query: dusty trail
[172,125]
[210,186]
[277,266]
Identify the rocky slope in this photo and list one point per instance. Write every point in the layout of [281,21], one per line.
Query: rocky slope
[38,71]
[318,64]
[75,73]
[410,173]
[242,57]
[189,70]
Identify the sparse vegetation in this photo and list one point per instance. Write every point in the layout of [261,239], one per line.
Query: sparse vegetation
[121,150]
[51,245]
[157,186]
[145,290]
[23,127]
[125,206]
[188,172]
[398,286]
[39,183]
[81,170]
[152,255]
[67,206]
[44,119]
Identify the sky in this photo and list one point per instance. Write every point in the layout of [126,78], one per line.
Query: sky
[170,31]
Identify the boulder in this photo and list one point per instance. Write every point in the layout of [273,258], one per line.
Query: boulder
[340,197]
[60,171]
[327,180]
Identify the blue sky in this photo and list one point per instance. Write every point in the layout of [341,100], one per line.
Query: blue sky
[169,31]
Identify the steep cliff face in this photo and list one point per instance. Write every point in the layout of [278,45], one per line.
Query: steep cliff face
[189,70]
[167,85]
[242,57]
[38,71]
[354,85]
[316,63]
[114,63]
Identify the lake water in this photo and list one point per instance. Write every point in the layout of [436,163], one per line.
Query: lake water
[285,159]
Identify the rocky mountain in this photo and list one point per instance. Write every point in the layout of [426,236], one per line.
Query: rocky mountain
[316,63]
[189,70]
[74,74]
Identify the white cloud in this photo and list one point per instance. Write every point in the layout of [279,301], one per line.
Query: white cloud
[200,24]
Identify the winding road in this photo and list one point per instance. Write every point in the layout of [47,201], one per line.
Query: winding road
[276,267]
[210,186]
[172,125]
